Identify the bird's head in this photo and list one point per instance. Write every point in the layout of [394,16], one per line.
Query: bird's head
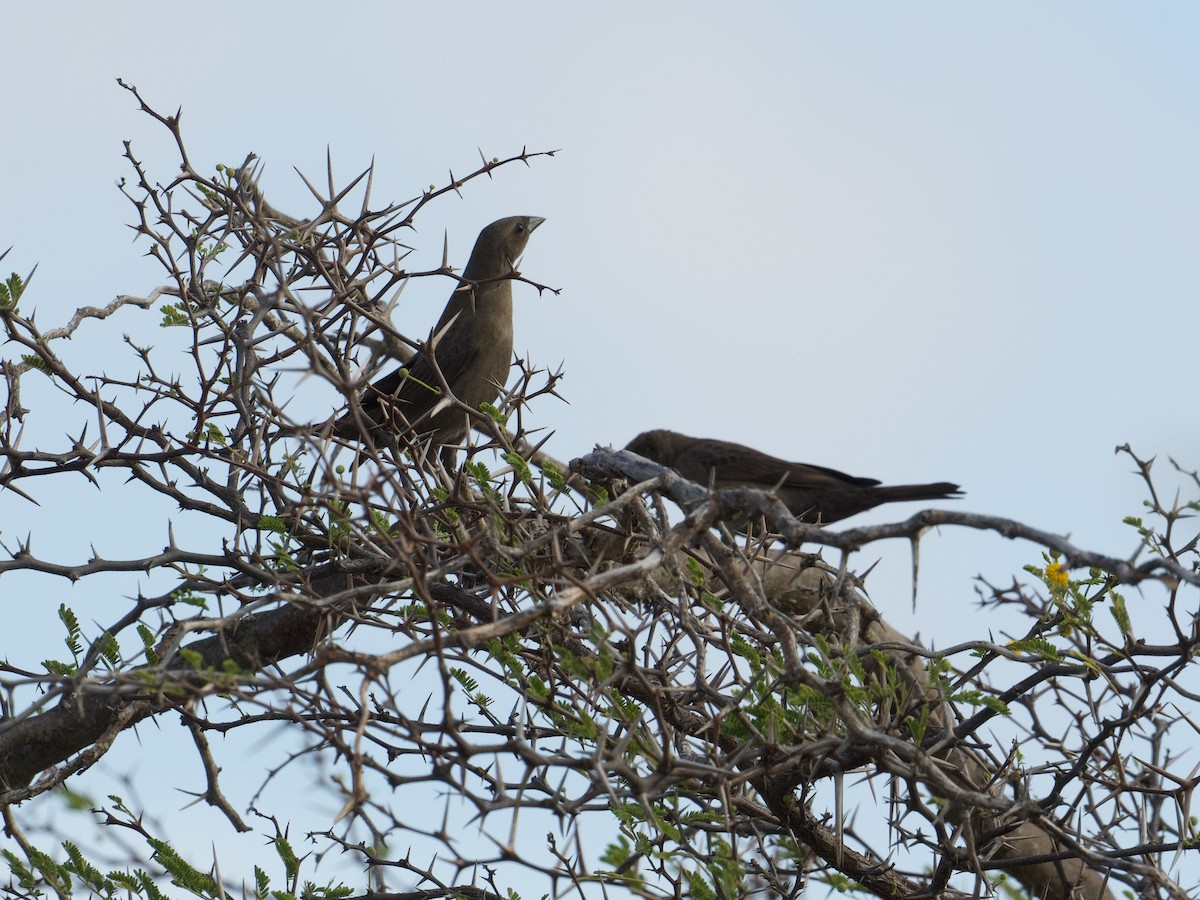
[657,445]
[500,245]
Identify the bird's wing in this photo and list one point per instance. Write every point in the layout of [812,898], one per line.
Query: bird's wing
[734,463]
[807,475]
[415,388]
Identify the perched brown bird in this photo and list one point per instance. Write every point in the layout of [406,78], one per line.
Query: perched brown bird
[472,345]
[812,493]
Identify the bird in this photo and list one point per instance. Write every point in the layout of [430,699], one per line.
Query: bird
[813,494]
[472,346]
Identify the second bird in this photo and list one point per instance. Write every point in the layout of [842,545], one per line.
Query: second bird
[473,349]
[812,493]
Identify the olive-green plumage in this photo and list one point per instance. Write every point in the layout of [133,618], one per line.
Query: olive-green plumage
[472,345]
[812,493]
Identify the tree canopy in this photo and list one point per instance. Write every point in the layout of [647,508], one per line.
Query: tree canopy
[504,673]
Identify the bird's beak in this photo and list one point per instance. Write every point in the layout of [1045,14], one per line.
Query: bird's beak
[534,222]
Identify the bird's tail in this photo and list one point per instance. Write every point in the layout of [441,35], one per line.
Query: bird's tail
[942,490]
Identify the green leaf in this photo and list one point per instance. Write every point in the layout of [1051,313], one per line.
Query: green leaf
[174,316]
[1120,612]
[35,362]
[520,466]
[110,650]
[181,871]
[554,477]
[88,874]
[1037,647]
[62,670]
[68,618]
[147,637]
[10,291]
[494,414]
[461,676]
[288,855]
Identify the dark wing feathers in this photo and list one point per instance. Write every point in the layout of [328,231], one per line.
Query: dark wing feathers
[735,463]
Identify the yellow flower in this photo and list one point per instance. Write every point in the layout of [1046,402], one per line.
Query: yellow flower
[1056,573]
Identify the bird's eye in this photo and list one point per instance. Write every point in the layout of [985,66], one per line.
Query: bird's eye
[520,227]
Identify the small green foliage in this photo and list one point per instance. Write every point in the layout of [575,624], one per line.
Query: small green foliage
[57,876]
[520,466]
[504,651]
[576,723]
[494,414]
[339,523]
[734,727]
[624,709]
[287,855]
[189,598]
[75,801]
[10,292]
[747,651]
[147,885]
[271,523]
[572,664]
[192,658]
[214,436]
[208,251]
[378,522]
[839,882]
[68,618]
[284,559]
[88,874]
[980,698]
[726,870]
[1120,612]
[918,725]
[17,868]
[537,689]
[618,853]
[74,642]
[821,659]
[461,676]
[61,669]
[329,891]
[110,650]
[183,873]
[127,882]
[554,477]
[35,362]
[1037,646]
[175,315]
[147,637]
[695,571]
[1073,599]
[939,678]
[699,888]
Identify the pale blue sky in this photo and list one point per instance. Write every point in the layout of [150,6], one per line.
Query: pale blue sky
[937,241]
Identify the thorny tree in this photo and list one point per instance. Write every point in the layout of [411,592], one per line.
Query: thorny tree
[473,656]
